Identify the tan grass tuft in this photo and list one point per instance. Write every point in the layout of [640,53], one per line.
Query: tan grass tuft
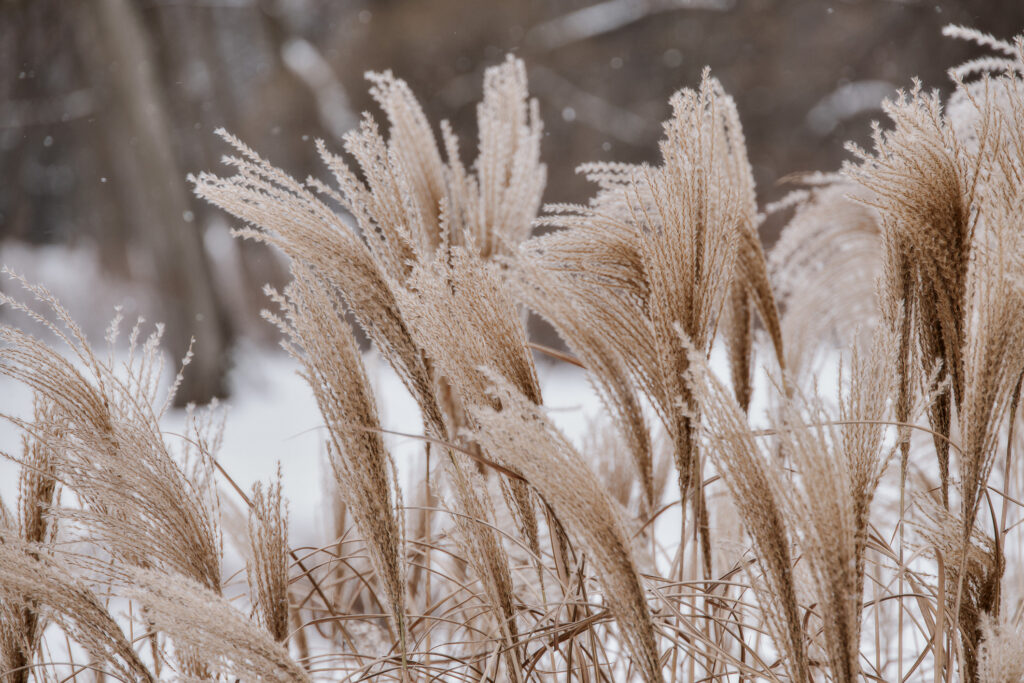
[656,250]
[33,575]
[755,486]
[493,209]
[319,337]
[840,463]
[994,352]
[974,568]
[824,267]
[524,438]
[364,275]
[268,571]
[102,424]
[923,185]
[461,315]
[1001,659]
[205,624]
[825,505]
[21,622]
[580,321]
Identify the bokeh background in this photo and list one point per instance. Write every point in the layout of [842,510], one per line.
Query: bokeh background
[106,105]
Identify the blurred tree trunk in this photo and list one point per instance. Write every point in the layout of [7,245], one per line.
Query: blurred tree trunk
[139,135]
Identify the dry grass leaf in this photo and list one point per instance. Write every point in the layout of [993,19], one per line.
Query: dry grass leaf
[268,571]
[286,214]
[753,273]
[407,203]
[577,317]
[755,485]
[22,623]
[31,573]
[492,210]
[461,315]
[102,426]
[207,626]
[1007,57]
[655,251]
[1001,659]
[825,267]
[974,567]
[922,182]
[521,435]
[359,270]
[410,203]
[320,338]
[824,505]
[840,462]
[994,351]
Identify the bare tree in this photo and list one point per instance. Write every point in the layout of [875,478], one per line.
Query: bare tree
[139,132]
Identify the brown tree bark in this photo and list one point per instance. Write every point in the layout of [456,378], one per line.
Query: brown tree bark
[138,129]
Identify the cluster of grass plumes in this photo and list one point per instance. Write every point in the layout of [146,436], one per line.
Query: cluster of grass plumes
[846,504]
